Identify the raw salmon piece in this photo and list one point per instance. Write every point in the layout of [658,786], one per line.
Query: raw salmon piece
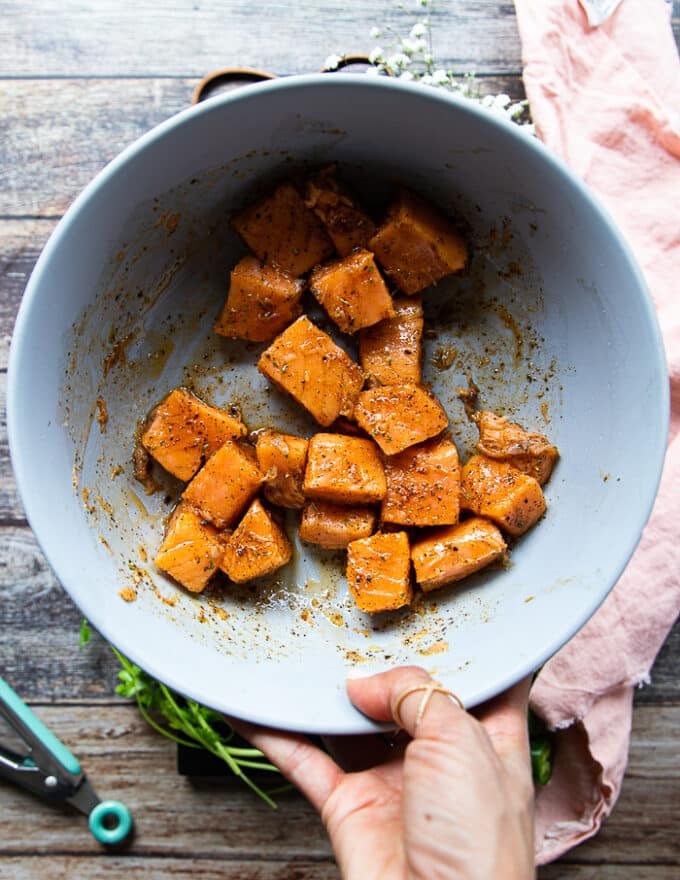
[352,291]
[528,451]
[182,431]
[334,526]
[423,485]
[399,416]
[257,547]
[379,572]
[262,301]
[225,485]
[191,550]
[305,362]
[282,231]
[346,222]
[344,469]
[451,554]
[417,245]
[282,459]
[497,490]
[391,352]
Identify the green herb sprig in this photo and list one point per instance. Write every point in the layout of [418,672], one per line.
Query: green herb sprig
[191,724]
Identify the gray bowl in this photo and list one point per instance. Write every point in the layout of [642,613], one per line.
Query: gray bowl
[553,321]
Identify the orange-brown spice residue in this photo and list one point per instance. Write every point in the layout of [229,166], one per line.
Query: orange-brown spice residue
[102,413]
[117,354]
[171,223]
[545,411]
[355,657]
[305,614]
[143,555]
[85,494]
[219,611]
[128,594]
[511,324]
[436,648]
[336,619]
[102,540]
[116,471]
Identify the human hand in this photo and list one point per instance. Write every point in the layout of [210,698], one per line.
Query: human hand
[453,801]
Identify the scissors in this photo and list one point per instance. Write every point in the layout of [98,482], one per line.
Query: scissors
[54,774]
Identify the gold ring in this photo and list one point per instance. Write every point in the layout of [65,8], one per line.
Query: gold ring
[429,688]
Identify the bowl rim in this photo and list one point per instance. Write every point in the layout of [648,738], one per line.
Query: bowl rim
[20,458]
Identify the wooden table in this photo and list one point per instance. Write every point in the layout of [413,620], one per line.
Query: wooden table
[79,81]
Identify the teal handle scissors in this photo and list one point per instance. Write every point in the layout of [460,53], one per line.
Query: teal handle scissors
[54,774]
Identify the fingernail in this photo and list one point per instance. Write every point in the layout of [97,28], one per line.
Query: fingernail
[358,673]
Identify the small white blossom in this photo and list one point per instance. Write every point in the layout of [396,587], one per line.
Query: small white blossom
[406,76]
[440,77]
[418,31]
[373,71]
[398,61]
[333,62]
[412,46]
[376,33]
[376,56]
[428,57]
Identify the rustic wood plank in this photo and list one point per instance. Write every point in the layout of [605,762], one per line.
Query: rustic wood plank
[562,871]
[109,867]
[70,129]
[102,37]
[126,760]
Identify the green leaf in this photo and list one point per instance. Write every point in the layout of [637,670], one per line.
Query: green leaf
[85,634]
[189,723]
[541,760]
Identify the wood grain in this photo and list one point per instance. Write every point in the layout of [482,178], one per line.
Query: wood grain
[106,867]
[126,760]
[126,38]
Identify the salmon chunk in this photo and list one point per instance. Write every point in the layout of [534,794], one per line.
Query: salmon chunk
[451,554]
[262,301]
[379,572]
[399,416]
[334,526]
[528,451]
[495,489]
[257,547]
[282,459]
[225,485]
[423,485]
[417,245]
[282,231]
[191,550]
[305,362]
[391,352]
[182,431]
[343,469]
[352,291]
[345,221]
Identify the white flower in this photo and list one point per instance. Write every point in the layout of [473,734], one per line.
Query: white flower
[440,77]
[406,76]
[412,46]
[373,71]
[398,61]
[376,56]
[333,62]
[376,33]
[418,31]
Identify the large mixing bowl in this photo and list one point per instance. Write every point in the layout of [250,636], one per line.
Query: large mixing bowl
[552,321]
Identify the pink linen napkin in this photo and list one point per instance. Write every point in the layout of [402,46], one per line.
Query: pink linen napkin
[607,100]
